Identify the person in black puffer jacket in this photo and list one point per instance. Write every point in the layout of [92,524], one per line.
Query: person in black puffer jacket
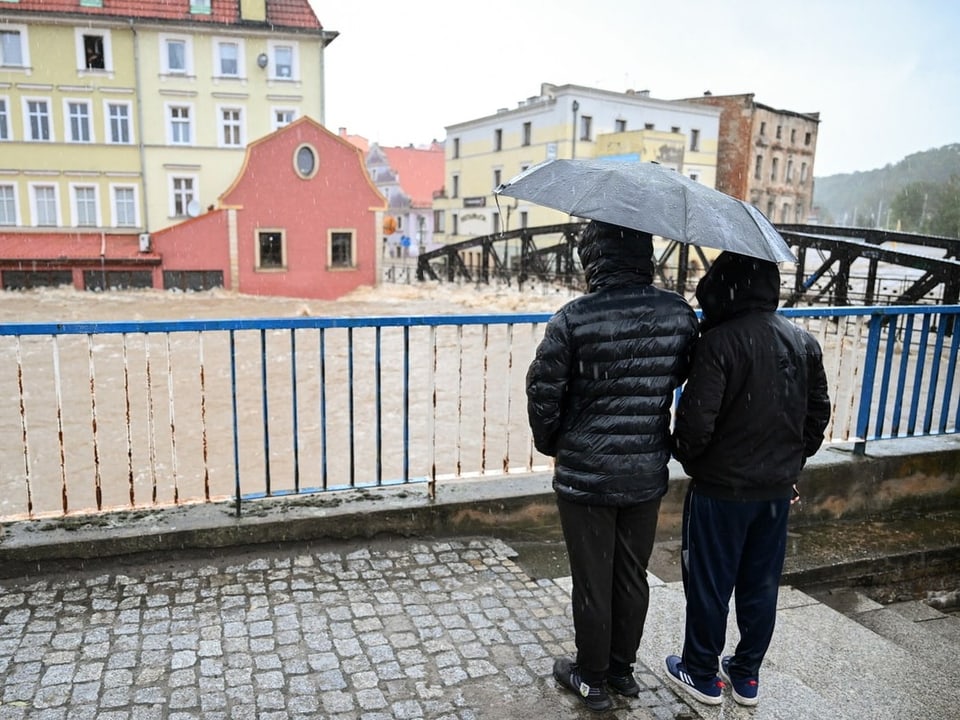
[754,408]
[599,394]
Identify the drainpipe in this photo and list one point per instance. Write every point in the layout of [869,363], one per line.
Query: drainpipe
[573,150]
[138,91]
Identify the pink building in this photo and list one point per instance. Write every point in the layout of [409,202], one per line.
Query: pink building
[302,219]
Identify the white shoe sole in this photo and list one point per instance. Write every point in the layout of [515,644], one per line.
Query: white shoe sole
[693,692]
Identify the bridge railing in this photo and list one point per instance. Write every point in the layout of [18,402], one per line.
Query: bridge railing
[131,415]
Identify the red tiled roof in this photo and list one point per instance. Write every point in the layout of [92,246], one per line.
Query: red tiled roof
[420,171]
[71,247]
[356,140]
[280,13]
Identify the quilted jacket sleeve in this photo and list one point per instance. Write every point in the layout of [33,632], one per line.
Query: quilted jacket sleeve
[547,380]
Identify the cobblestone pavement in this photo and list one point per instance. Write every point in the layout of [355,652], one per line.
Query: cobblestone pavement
[402,629]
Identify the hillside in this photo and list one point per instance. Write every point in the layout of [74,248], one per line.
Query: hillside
[857,198]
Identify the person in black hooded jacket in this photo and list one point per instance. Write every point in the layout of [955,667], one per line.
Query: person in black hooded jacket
[754,408]
[599,394]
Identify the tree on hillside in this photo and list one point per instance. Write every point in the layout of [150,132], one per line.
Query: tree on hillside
[908,208]
[928,208]
[946,217]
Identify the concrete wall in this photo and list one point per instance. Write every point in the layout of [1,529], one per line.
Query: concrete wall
[915,474]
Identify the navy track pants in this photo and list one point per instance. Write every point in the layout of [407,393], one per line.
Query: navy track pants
[731,546]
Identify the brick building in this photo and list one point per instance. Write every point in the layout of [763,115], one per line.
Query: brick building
[765,155]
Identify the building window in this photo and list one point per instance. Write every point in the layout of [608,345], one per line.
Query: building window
[200,7]
[695,177]
[182,194]
[78,121]
[8,205]
[497,174]
[4,119]
[125,206]
[793,136]
[38,120]
[439,218]
[455,187]
[44,201]
[179,127]
[586,127]
[774,167]
[341,249]
[456,148]
[283,117]
[807,138]
[271,250]
[231,127]
[227,60]
[770,210]
[305,162]
[789,177]
[176,55]
[84,208]
[758,168]
[497,140]
[648,126]
[803,173]
[675,129]
[620,126]
[763,128]
[785,215]
[284,62]
[527,132]
[13,48]
[118,123]
[91,3]
[93,47]
[694,140]
[454,224]
[779,132]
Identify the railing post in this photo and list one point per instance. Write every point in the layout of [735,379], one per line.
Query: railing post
[866,387]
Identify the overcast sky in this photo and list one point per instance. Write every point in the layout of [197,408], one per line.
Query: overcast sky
[883,74]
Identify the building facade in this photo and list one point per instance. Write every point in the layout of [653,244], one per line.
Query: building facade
[766,155]
[563,121]
[409,178]
[120,119]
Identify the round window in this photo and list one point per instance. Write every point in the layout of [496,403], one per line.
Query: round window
[305,161]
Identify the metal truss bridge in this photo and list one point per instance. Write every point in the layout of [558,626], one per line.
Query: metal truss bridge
[836,265]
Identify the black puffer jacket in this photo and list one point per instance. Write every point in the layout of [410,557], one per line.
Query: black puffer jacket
[756,403]
[600,388]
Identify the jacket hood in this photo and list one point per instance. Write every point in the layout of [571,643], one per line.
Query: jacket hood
[612,255]
[736,284]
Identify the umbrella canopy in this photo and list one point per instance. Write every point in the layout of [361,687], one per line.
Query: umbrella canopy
[651,198]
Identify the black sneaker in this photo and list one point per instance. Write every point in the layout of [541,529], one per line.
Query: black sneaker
[566,673]
[625,685]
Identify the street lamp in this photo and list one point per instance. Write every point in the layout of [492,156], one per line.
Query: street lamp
[573,151]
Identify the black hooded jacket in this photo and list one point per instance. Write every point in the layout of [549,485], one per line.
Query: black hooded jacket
[600,388]
[755,405]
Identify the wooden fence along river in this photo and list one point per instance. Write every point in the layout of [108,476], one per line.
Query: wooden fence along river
[142,414]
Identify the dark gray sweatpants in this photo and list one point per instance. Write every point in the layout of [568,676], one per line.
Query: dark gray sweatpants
[608,548]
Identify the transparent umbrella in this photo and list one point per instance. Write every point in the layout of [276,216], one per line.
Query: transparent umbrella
[651,198]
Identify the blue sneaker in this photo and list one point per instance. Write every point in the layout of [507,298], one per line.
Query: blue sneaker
[709,692]
[744,690]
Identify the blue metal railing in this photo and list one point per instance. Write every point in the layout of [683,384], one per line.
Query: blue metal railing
[270,407]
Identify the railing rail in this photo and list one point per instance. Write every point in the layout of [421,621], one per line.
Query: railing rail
[114,415]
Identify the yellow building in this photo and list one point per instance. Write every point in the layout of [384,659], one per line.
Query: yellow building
[123,117]
[563,121]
